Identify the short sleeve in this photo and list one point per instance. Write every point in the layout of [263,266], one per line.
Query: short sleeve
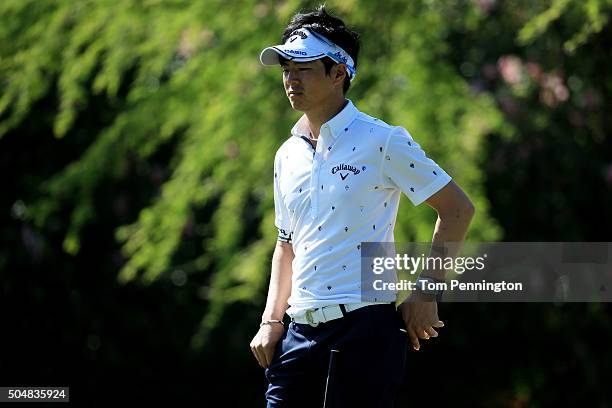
[406,166]
[281,213]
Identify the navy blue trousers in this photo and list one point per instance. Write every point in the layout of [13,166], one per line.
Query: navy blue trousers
[367,369]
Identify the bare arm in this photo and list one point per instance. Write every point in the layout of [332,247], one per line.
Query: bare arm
[280,282]
[455,212]
[263,344]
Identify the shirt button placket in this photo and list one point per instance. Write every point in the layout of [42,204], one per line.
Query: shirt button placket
[314,185]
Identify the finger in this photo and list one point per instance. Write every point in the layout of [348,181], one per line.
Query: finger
[269,353]
[438,324]
[252,347]
[263,352]
[422,333]
[260,356]
[256,356]
[431,332]
[255,348]
[414,339]
[267,350]
[254,351]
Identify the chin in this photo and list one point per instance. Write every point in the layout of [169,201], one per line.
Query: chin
[297,106]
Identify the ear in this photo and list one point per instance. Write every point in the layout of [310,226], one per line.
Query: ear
[341,73]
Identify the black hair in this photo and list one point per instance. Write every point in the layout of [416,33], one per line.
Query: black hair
[331,28]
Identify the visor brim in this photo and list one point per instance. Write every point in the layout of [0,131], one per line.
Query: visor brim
[270,55]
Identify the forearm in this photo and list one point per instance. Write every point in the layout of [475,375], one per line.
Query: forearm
[451,228]
[280,282]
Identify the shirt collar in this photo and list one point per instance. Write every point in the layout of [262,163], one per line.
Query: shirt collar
[336,125]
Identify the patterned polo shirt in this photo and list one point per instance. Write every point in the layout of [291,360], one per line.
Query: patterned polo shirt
[331,199]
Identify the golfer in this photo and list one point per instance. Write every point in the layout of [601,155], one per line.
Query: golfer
[337,183]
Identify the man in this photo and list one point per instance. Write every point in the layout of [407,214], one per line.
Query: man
[337,183]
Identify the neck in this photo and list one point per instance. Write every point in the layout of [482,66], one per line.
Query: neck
[317,118]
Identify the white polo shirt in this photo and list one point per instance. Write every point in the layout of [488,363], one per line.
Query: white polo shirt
[347,191]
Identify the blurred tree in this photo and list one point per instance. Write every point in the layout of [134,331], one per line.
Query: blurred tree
[184,72]
[138,137]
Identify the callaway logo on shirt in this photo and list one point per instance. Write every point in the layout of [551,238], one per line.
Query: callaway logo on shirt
[343,166]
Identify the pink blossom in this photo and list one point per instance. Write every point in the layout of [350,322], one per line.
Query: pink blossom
[553,90]
[511,69]
[486,5]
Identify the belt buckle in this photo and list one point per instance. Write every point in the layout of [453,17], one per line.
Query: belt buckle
[309,318]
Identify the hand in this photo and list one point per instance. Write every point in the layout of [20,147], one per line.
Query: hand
[420,314]
[263,344]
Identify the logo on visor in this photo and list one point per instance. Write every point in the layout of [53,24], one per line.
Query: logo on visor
[296,52]
[302,34]
[341,57]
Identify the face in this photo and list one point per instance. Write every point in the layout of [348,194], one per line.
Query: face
[307,86]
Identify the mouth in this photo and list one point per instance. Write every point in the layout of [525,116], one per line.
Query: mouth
[294,93]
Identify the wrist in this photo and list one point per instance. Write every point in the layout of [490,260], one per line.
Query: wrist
[272,316]
[419,295]
[429,288]
[271,322]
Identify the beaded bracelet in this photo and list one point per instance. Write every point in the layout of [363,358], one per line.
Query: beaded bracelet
[271,321]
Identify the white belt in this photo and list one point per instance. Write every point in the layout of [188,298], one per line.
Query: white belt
[327,313]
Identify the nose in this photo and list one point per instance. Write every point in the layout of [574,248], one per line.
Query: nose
[293,77]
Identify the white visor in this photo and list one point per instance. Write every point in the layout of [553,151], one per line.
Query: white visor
[304,45]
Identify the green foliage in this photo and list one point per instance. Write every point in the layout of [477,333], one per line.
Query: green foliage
[585,18]
[139,135]
[187,72]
